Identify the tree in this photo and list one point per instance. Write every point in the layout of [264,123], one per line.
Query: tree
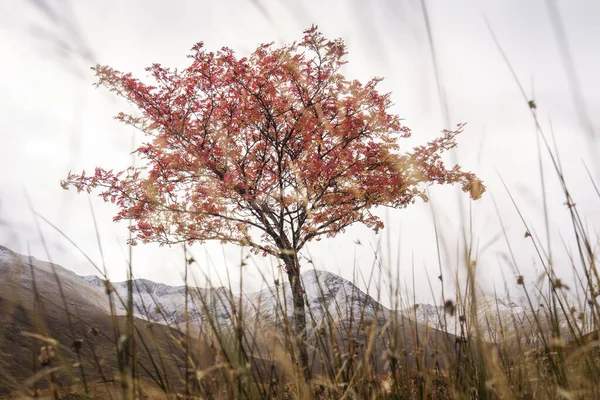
[268,151]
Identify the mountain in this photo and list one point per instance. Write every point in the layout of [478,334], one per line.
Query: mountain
[328,296]
[33,294]
[33,316]
[44,304]
[500,320]
[21,274]
[489,313]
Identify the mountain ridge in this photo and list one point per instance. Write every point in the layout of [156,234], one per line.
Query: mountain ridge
[327,294]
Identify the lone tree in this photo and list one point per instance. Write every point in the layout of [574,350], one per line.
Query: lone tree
[268,151]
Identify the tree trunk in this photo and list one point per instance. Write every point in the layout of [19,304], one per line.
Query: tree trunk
[293,271]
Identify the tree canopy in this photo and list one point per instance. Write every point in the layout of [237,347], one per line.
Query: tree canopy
[269,151]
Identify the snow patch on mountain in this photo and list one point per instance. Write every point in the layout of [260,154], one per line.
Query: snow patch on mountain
[327,295]
[5,254]
[166,304]
[497,319]
[490,313]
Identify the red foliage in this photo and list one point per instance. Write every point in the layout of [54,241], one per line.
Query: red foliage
[278,143]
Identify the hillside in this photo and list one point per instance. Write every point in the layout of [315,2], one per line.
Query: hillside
[32,303]
[28,323]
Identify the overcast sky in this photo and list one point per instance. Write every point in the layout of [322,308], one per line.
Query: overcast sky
[52,121]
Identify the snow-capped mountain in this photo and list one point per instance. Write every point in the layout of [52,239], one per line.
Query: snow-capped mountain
[165,304]
[496,319]
[328,296]
[490,312]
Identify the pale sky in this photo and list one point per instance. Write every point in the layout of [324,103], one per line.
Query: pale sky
[53,121]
